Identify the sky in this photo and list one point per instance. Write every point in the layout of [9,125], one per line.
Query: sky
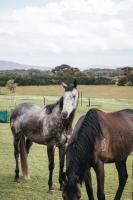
[81,33]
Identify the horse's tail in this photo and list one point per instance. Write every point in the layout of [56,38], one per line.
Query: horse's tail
[23,156]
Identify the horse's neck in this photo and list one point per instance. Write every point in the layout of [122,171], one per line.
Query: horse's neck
[73,163]
[72,116]
[57,111]
[80,152]
[72,173]
[69,121]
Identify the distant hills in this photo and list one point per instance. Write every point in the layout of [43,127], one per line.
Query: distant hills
[8,65]
[96,69]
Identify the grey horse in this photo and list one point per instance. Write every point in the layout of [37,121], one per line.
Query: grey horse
[51,126]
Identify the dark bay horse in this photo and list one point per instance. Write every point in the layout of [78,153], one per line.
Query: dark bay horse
[49,126]
[98,138]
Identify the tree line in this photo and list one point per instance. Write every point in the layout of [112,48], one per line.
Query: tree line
[54,80]
[68,74]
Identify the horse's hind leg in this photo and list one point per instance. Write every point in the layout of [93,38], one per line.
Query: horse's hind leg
[16,155]
[122,173]
[50,152]
[28,145]
[61,164]
[88,184]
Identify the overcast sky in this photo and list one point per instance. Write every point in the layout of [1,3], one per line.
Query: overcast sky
[80,33]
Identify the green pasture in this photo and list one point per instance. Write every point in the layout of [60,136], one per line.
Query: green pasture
[108,98]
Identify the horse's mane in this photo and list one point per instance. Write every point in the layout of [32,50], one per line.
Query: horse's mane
[82,148]
[67,122]
[50,107]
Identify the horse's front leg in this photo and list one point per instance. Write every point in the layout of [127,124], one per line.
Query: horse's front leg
[50,152]
[61,164]
[88,184]
[99,169]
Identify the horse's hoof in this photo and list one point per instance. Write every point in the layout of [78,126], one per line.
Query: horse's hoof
[27,177]
[50,192]
[16,180]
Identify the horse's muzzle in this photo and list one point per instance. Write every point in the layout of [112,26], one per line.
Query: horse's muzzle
[64,115]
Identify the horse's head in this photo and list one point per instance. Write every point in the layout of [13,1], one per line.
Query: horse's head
[71,188]
[70,99]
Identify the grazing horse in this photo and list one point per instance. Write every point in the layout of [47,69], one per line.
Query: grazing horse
[49,126]
[98,138]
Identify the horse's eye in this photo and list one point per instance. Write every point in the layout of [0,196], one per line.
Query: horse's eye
[74,96]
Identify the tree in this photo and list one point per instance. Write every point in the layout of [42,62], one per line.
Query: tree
[127,78]
[127,70]
[11,86]
[121,81]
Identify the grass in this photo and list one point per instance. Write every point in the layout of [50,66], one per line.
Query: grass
[107,98]
[88,91]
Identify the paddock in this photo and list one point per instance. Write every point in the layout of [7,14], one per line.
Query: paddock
[108,98]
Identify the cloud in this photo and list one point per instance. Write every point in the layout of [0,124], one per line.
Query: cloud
[67,28]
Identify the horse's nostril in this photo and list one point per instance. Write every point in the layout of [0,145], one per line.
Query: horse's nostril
[64,115]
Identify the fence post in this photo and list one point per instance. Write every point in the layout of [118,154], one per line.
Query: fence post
[44,101]
[89,101]
[81,98]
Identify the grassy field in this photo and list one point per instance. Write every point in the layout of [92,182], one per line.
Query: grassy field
[107,98]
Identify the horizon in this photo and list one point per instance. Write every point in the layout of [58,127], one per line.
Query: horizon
[79,33]
[25,66]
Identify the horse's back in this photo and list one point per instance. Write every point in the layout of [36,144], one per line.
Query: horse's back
[24,108]
[119,120]
[117,131]
[116,119]
[22,114]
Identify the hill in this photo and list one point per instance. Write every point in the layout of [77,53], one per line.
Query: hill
[8,65]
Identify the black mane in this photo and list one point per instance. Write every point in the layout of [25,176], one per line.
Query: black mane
[82,148]
[50,107]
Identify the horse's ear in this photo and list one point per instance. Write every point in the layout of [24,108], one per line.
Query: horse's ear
[75,83]
[64,84]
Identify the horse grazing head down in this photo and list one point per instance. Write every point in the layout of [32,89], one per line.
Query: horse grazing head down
[71,188]
[70,99]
